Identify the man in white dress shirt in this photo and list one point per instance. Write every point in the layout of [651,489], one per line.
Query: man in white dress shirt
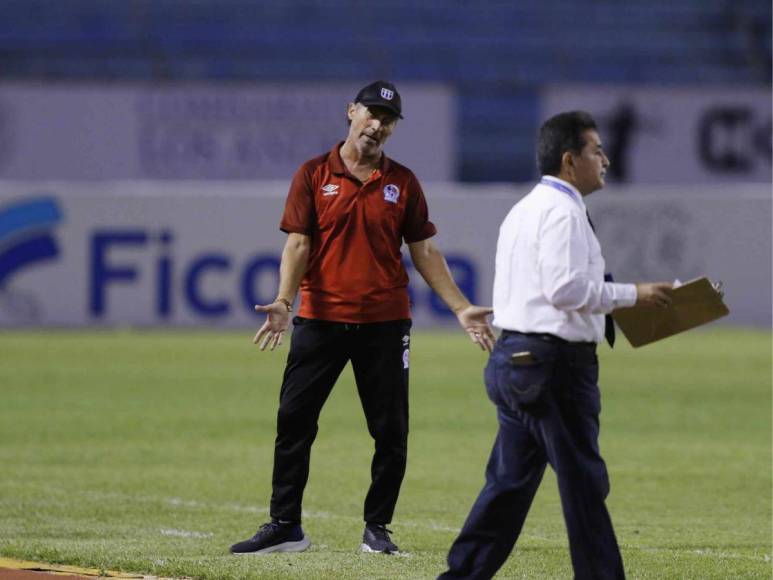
[551,300]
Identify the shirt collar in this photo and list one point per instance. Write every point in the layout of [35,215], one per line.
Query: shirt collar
[337,164]
[564,187]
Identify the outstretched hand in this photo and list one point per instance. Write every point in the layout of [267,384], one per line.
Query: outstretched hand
[473,321]
[277,323]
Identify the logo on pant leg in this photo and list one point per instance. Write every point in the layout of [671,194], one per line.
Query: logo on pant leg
[406,358]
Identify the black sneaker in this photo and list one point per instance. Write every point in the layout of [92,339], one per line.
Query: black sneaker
[274,537]
[375,539]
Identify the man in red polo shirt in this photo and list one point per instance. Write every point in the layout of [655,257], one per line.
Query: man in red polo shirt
[347,214]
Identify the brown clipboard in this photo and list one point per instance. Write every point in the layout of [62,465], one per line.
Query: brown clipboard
[695,303]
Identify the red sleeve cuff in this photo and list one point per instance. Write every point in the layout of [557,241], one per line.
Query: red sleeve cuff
[293,229]
[424,233]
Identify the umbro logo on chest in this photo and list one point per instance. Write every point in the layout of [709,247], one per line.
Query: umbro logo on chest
[330,189]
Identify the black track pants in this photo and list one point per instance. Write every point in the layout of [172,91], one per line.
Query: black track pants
[318,353]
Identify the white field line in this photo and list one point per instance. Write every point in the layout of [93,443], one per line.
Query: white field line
[701,552]
[432,526]
[730,555]
[184,533]
[422,525]
[241,508]
[435,527]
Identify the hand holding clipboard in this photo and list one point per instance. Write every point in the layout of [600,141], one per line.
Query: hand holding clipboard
[694,303]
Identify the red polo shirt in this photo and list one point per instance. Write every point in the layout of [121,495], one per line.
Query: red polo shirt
[355,271]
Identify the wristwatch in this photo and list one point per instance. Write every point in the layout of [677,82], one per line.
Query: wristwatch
[286,302]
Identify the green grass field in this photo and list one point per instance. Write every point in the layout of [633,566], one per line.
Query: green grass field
[151,452]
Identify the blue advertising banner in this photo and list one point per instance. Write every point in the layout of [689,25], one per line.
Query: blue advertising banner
[176,254]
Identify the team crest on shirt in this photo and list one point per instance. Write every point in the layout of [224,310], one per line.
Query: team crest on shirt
[330,189]
[391,193]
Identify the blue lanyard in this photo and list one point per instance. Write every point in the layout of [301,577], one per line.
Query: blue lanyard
[565,189]
[558,186]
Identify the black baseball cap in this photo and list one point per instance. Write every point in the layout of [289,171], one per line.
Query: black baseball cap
[380,94]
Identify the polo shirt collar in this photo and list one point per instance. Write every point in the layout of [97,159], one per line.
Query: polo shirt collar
[337,164]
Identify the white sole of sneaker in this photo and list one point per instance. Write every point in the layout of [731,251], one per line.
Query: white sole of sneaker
[368,550]
[298,546]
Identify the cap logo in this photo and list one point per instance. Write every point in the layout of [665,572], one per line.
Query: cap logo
[391,193]
[387,94]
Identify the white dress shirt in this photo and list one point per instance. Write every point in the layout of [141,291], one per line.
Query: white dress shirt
[549,268]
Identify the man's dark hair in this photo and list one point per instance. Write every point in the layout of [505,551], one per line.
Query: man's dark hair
[559,134]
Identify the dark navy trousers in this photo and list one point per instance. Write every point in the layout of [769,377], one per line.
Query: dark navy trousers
[548,412]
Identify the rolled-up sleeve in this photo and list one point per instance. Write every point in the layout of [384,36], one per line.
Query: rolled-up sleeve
[299,213]
[416,226]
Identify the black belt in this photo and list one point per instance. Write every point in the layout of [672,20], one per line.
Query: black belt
[551,338]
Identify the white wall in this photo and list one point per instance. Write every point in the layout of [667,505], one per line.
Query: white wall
[676,134]
[204,131]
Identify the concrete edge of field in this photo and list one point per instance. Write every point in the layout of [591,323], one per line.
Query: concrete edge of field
[11,569]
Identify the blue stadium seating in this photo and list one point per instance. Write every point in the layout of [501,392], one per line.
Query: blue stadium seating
[495,53]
